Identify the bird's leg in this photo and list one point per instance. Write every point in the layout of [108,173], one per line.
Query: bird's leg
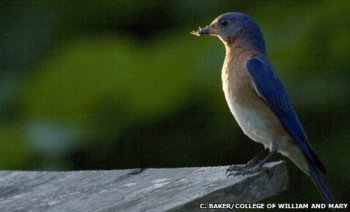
[252,166]
[252,162]
[255,160]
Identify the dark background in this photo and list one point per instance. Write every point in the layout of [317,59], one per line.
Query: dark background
[122,84]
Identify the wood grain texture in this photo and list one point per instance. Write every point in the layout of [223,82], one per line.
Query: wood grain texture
[162,189]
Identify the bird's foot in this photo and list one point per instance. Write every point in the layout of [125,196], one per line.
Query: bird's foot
[243,169]
[254,165]
[240,167]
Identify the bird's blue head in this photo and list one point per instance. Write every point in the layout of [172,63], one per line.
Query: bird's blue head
[233,26]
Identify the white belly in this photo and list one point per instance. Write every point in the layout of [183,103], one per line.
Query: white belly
[253,122]
[254,118]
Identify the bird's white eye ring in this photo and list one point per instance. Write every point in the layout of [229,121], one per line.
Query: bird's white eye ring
[223,22]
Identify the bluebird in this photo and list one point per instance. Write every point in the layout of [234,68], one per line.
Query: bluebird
[258,100]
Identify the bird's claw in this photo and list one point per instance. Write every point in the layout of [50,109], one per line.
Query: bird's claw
[244,169]
[234,168]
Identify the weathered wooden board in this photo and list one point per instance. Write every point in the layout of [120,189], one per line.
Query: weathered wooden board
[125,190]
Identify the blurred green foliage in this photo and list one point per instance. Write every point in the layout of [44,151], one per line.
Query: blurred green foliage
[122,84]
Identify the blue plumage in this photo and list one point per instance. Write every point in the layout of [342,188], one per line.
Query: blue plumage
[269,87]
[258,99]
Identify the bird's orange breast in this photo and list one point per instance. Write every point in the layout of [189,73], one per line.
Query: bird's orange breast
[251,112]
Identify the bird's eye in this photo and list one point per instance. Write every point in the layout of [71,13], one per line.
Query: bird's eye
[223,22]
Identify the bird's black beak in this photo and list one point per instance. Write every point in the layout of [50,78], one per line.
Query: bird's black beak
[202,31]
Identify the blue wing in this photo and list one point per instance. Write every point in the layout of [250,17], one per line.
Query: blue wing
[270,88]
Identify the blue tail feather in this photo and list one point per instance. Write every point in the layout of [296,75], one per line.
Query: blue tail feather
[321,185]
